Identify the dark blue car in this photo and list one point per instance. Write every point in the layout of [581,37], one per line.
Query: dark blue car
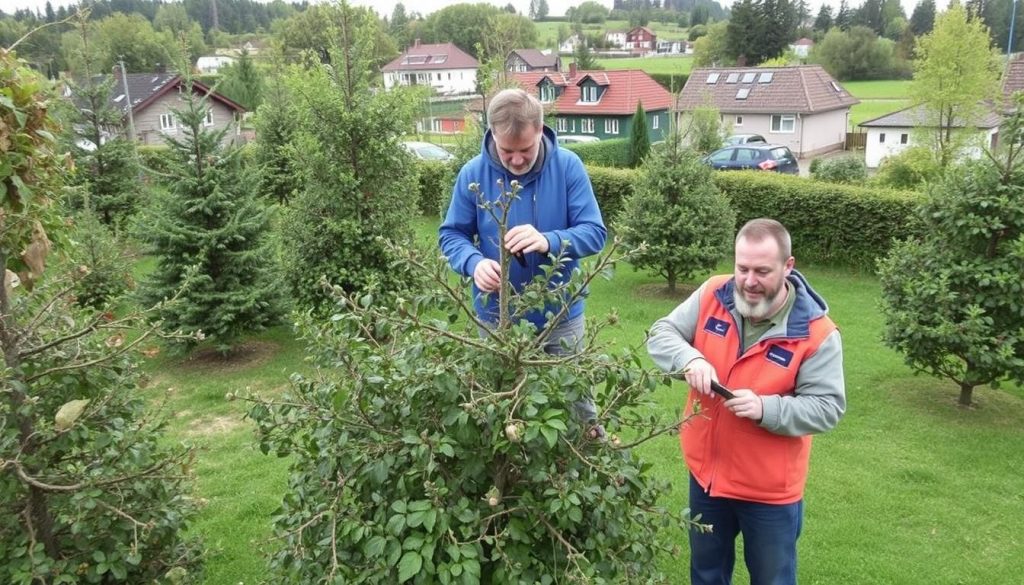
[756,157]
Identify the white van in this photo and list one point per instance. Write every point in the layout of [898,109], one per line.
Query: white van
[576,139]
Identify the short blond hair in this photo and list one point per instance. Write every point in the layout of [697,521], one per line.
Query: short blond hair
[512,111]
[756,230]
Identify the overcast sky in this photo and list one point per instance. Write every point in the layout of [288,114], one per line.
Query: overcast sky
[385,7]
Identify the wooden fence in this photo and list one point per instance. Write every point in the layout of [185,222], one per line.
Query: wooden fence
[856,140]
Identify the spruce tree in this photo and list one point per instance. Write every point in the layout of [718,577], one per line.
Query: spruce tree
[208,232]
[639,143]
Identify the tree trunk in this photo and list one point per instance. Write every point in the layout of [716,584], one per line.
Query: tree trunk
[672,281]
[966,391]
[38,517]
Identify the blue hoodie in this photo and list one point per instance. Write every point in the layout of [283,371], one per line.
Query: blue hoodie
[555,197]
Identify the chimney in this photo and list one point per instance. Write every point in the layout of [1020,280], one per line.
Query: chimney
[572,70]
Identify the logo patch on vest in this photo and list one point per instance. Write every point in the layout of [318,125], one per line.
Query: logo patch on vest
[779,356]
[716,327]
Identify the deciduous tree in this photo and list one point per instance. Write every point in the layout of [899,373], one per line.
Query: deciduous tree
[953,297]
[956,69]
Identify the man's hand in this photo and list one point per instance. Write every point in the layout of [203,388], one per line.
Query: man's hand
[525,238]
[699,374]
[487,275]
[747,404]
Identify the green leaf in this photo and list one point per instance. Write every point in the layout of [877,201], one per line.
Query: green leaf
[375,546]
[68,414]
[550,434]
[409,566]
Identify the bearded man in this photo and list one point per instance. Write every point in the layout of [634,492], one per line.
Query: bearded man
[764,333]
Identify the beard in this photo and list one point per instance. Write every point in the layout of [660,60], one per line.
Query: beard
[761,309]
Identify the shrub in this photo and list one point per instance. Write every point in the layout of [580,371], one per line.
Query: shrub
[439,456]
[106,259]
[605,153]
[849,169]
[611,187]
[436,179]
[909,169]
[677,210]
[830,223]
[673,82]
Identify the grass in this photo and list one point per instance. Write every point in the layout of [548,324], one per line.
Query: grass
[877,98]
[908,489]
[547,32]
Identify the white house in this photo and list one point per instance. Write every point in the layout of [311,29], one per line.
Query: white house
[893,133]
[802,47]
[213,63]
[671,47]
[569,44]
[615,38]
[444,67]
[801,107]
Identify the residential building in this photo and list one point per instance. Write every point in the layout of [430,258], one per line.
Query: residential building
[616,38]
[893,133]
[527,60]
[209,64]
[153,98]
[672,47]
[641,40]
[568,46]
[600,103]
[444,67]
[802,47]
[800,107]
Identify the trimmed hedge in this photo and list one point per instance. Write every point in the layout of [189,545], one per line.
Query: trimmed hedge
[829,223]
[835,224]
[611,187]
[604,153]
[436,179]
[673,82]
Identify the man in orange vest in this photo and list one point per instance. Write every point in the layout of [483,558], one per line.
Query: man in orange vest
[764,333]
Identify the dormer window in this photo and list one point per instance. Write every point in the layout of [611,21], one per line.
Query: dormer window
[589,94]
[547,93]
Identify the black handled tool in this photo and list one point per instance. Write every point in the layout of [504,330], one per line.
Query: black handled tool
[520,258]
[722,390]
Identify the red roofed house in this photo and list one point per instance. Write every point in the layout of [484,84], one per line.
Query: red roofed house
[800,107]
[802,47]
[444,67]
[600,103]
[641,39]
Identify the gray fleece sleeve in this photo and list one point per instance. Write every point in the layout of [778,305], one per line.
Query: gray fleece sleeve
[670,338]
[819,400]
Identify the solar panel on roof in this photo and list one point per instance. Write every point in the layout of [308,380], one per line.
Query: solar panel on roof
[765,77]
[712,78]
[733,78]
[749,77]
[743,93]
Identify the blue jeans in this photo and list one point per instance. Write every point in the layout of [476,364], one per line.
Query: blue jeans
[769,539]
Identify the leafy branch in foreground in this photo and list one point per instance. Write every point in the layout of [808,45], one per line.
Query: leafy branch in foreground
[425,452]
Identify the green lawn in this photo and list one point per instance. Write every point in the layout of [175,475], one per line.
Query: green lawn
[547,32]
[877,98]
[908,489]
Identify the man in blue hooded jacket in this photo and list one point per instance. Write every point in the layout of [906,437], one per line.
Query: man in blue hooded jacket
[555,213]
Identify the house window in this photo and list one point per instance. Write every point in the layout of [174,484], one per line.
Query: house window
[739,121]
[589,93]
[654,122]
[587,125]
[435,125]
[547,93]
[562,125]
[611,126]
[783,123]
[167,122]
[208,120]
[904,138]
[881,138]
[449,76]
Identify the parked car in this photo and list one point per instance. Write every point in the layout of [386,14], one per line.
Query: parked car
[576,139]
[753,156]
[427,151]
[743,139]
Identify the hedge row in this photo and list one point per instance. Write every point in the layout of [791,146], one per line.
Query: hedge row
[604,153]
[672,82]
[835,224]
